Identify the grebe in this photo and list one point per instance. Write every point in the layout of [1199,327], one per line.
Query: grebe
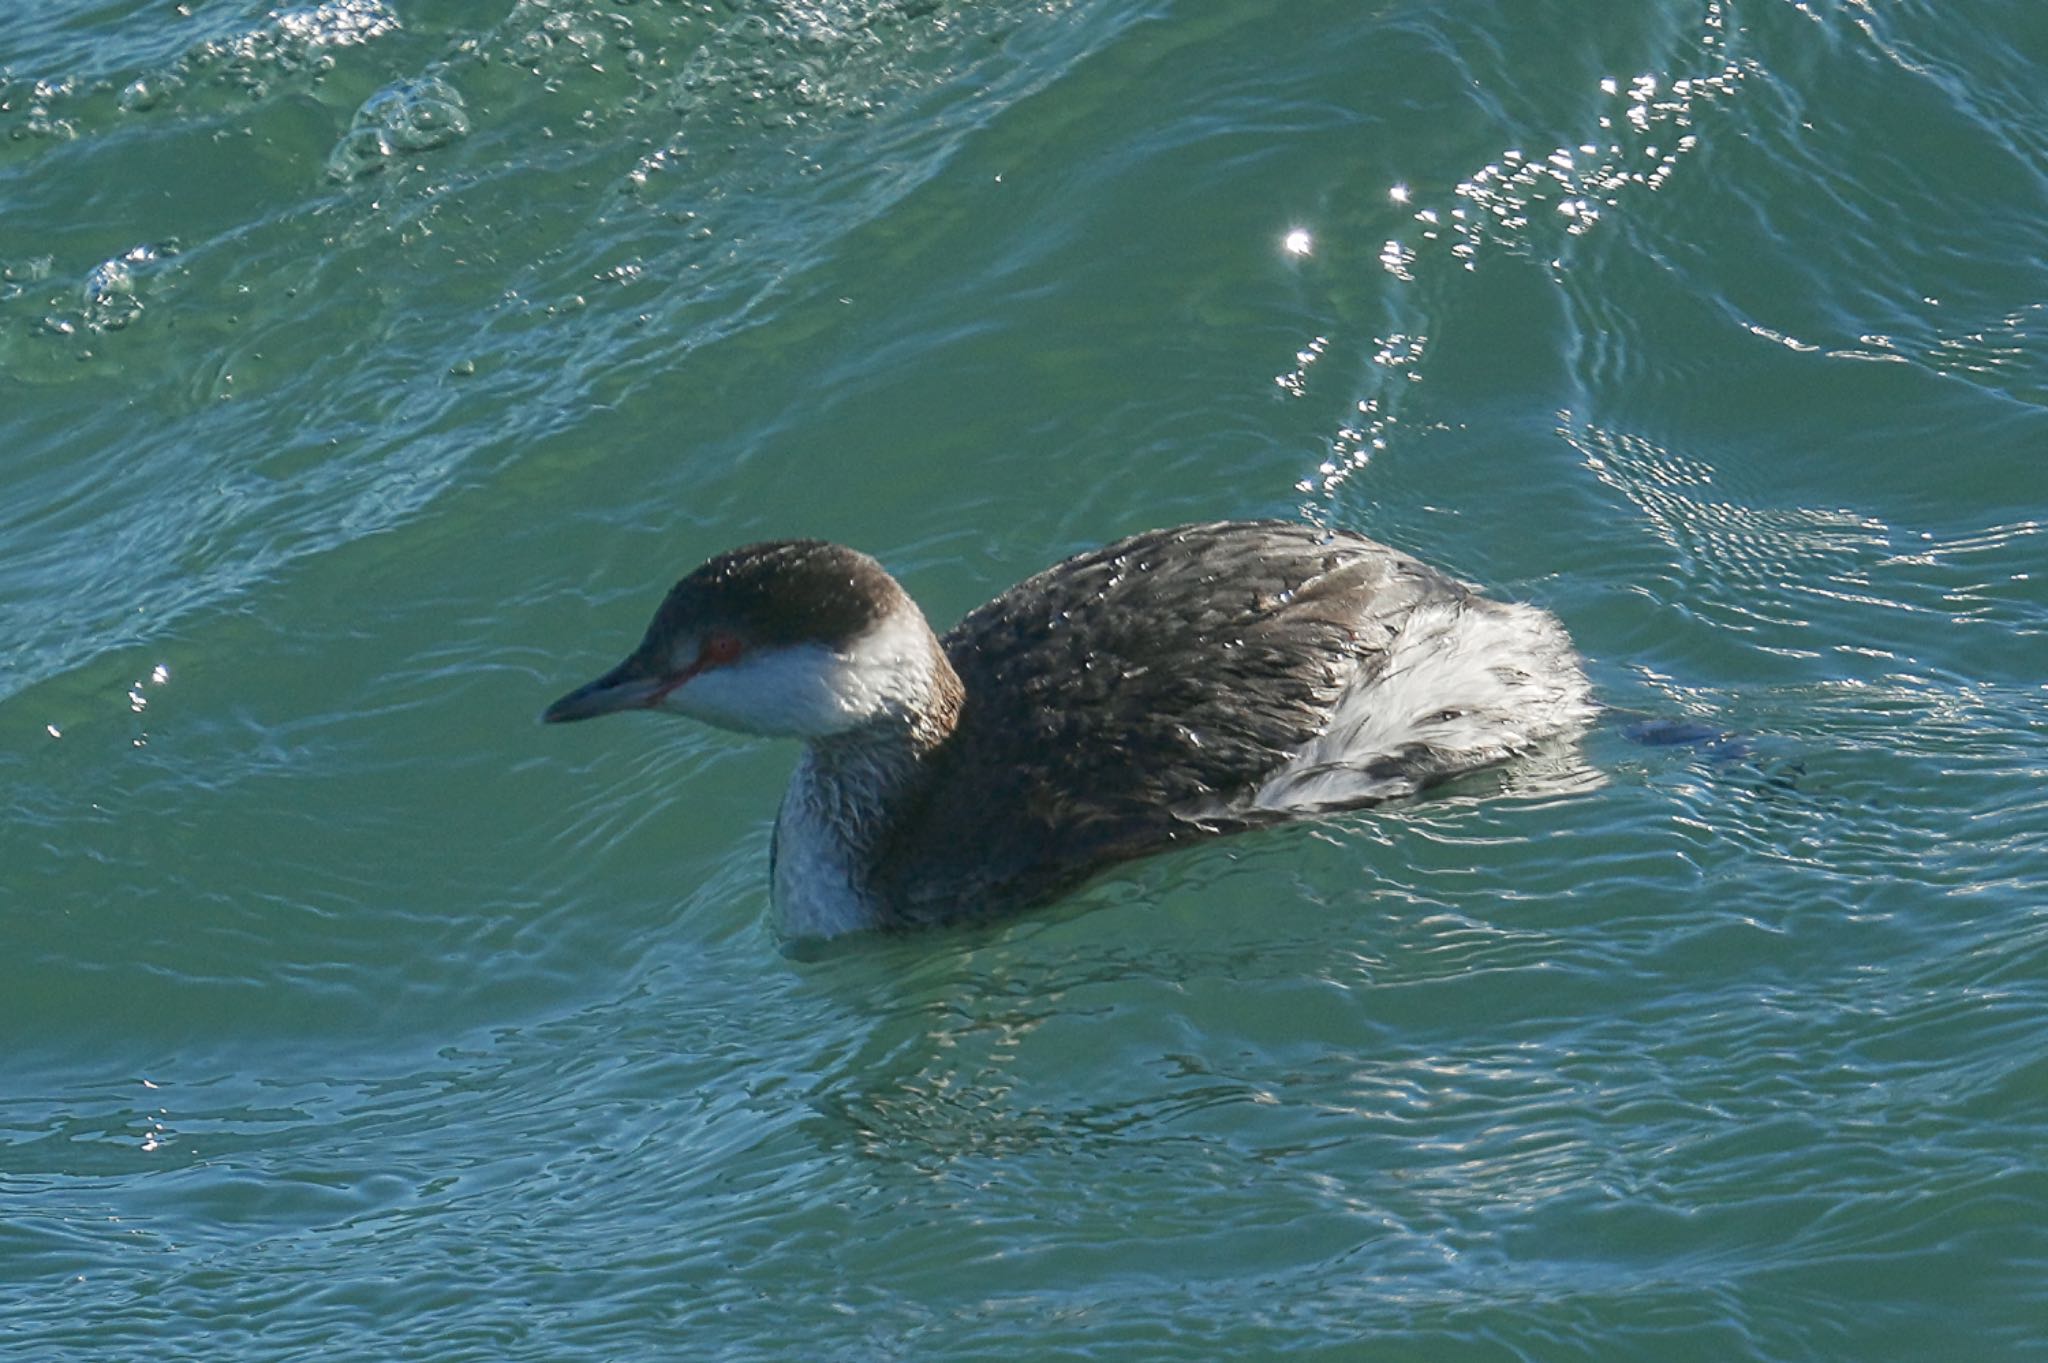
[1176,684]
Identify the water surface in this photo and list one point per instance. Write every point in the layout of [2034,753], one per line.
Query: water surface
[367,370]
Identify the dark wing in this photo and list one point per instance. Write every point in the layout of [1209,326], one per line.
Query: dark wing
[1135,695]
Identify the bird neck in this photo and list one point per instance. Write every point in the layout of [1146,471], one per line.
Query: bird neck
[846,794]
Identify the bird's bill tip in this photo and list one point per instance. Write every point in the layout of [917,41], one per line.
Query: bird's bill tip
[619,689]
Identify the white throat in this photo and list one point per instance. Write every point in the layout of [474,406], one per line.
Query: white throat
[894,696]
[822,851]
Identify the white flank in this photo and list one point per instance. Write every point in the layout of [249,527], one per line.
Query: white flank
[1465,686]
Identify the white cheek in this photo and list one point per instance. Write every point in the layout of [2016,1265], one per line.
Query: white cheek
[811,691]
[786,693]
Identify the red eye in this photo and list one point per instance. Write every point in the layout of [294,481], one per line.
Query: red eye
[719,650]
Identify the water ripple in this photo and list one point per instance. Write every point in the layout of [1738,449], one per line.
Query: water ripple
[351,1012]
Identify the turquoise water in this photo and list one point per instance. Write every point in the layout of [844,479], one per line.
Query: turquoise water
[367,371]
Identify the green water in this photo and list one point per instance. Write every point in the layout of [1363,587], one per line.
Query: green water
[368,370]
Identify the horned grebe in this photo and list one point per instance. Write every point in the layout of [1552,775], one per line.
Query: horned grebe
[1176,684]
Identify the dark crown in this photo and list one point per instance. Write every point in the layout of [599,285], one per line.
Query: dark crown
[782,592]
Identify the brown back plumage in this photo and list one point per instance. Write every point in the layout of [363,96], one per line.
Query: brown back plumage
[1134,695]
